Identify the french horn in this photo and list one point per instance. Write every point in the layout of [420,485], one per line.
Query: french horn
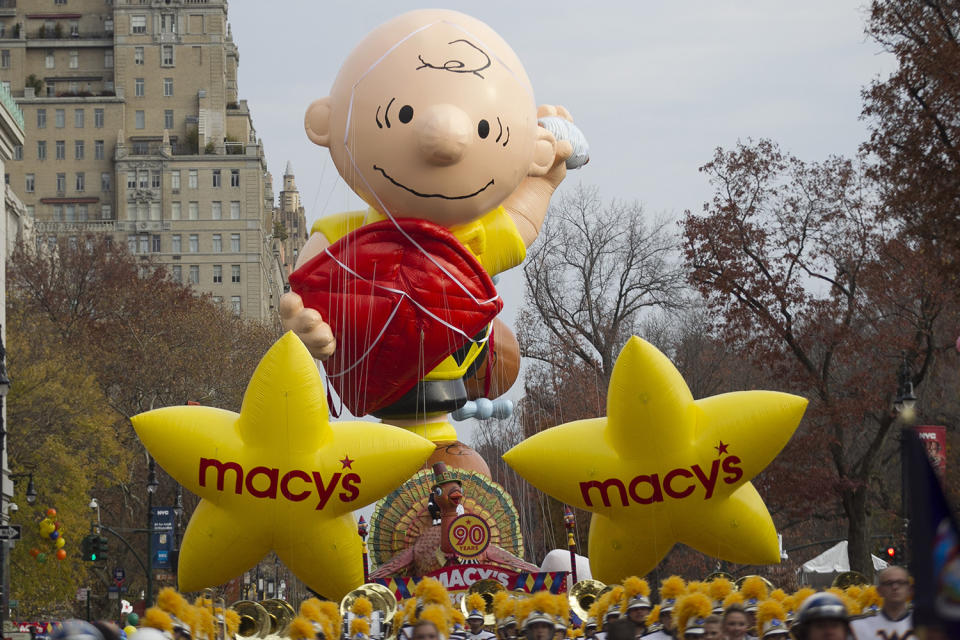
[582,596]
[486,589]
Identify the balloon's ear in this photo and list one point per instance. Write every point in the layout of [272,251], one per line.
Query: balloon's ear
[544,151]
[317,122]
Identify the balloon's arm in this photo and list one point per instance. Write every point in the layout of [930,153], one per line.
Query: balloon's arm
[316,243]
[528,205]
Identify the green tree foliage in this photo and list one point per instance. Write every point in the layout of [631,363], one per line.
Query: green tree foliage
[96,336]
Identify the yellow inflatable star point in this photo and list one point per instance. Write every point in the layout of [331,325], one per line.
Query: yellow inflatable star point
[278,476]
[663,468]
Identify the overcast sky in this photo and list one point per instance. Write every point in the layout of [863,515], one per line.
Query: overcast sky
[654,86]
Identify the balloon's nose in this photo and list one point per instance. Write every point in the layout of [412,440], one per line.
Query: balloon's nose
[444,132]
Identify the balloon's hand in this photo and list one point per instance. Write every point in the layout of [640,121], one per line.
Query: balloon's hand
[308,325]
[564,149]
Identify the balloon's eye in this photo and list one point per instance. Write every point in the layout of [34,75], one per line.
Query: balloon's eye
[406,113]
[483,129]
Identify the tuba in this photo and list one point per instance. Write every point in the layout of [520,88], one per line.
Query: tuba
[741,580]
[720,574]
[281,614]
[486,588]
[849,579]
[384,606]
[254,619]
[583,595]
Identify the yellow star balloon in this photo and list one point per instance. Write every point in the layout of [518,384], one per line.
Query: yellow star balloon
[278,476]
[663,468]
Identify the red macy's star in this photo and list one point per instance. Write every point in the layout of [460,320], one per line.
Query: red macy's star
[721,448]
[346,462]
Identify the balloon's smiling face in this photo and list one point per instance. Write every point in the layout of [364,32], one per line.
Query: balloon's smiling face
[440,126]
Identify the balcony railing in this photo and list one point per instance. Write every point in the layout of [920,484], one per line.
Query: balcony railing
[93,226]
[7,99]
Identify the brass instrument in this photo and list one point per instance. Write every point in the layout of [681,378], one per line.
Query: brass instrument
[254,620]
[281,615]
[486,589]
[720,574]
[740,581]
[584,594]
[849,579]
[380,597]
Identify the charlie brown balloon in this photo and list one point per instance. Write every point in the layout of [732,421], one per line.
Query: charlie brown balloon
[432,121]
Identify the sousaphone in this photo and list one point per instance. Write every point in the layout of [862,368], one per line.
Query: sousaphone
[254,620]
[849,579]
[380,597]
[582,596]
[486,588]
[281,615]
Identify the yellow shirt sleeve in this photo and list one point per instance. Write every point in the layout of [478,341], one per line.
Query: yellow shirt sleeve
[336,226]
[494,240]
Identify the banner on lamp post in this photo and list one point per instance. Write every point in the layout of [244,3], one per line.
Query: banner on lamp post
[934,439]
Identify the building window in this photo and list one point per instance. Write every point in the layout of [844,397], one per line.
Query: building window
[216,210]
[155,179]
[174,210]
[70,213]
[167,23]
[104,181]
[138,55]
[156,243]
[131,179]
[166,55]
[78,149]
[60,118]
[108,59]
[106,212]
[144,244]
[140,148]
[31,182]
[194,274]
[217,299]
[98,118]
[132,244]
[82,212]
[49,59]
[154,210]
[80,181]
[58,212]
[194,211]
[138,87]
[138,24]
[140,120]
[98,149]
[175,243]
[41,118]
[168,119]
[217,274]
[74,59]
[216,177]
[193,179]
[5,58]
[61,149]
[168,87]
[234,177]
[217,243]
[175,180]
[18,152]
[235,210]
[235,273]
[235,242]
[178,273]
[143,177]
[59,1]
[41,149]
[61,182]
[235,304]
[78,118]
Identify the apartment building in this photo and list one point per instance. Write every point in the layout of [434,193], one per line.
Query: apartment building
[134,128]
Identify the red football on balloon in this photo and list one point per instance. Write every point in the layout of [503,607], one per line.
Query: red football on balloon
[400,296]
[51,513]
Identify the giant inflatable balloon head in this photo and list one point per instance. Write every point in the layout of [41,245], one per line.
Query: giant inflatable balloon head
[432,116]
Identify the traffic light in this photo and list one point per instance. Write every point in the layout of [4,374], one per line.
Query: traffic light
[87,548]
[893,555]
[101,549]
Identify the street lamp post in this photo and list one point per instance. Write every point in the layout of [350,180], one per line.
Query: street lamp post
[152,485]
[904,403]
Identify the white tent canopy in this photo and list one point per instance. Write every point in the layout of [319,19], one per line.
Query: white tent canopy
[559,560]
[832,562]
